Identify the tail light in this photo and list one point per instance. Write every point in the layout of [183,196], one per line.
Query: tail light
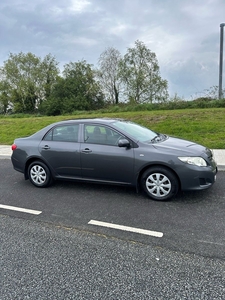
[14,146]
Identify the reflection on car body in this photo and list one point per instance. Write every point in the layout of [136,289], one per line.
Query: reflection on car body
[114,151]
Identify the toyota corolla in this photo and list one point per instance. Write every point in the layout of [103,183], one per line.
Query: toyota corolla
[114,151]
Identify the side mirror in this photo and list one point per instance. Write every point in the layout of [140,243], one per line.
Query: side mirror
[123,143]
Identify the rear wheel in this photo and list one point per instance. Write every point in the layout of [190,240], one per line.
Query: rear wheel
[39,174]
[159,183]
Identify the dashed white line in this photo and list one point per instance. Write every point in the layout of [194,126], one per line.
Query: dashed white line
[126,228]
[28,211]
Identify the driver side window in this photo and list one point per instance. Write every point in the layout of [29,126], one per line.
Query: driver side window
[95,134]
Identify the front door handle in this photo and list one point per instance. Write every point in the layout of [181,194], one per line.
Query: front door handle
[86,150]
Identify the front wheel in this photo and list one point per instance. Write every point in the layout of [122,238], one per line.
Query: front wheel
[39,174]
[159,183]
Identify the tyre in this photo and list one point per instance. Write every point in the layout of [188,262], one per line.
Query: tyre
[159,183]
[39,174]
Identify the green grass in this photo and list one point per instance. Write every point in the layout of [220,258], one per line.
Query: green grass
[204,126]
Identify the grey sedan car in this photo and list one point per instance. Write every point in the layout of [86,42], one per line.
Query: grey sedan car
[114,151]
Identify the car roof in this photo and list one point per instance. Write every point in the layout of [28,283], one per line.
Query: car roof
[88,120]
[94,119]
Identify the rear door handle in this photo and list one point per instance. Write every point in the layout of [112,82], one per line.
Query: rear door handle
[46,147]
[86,150]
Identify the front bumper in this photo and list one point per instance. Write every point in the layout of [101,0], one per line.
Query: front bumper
[198,178]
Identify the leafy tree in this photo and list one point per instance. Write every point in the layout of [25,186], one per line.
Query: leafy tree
[4,96]
[139,71]
[76,90]
[28,79]
[50,70]
[108,74]
[18,75]
[55,103]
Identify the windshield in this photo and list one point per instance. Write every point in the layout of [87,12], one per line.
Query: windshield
[136,131]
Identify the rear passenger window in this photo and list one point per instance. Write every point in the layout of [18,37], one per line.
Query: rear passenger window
[65,133]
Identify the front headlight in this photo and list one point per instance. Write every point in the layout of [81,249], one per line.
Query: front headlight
[192,160]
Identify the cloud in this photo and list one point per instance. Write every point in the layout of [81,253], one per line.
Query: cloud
[183,34]
[78,6]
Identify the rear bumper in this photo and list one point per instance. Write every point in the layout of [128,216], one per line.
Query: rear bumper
[17,165]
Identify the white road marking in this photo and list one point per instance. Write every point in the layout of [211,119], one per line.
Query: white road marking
[126,228]
[29,211]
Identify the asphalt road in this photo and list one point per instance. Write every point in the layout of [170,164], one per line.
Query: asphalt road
[57,254]
[192,222]
[41,261]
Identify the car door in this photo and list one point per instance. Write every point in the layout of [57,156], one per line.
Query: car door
[101,157]
[61,150]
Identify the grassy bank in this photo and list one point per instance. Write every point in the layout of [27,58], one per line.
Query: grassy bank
[205,126]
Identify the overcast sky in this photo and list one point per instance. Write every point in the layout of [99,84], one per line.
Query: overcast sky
[184,34]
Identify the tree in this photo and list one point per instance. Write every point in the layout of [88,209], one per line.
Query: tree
[108,74]
[18,74]
[29,80]
[4,94]
[139,71]
[76,90]
[50,70]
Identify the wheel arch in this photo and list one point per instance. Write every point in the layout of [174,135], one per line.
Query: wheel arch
[155,166]
[32,159]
